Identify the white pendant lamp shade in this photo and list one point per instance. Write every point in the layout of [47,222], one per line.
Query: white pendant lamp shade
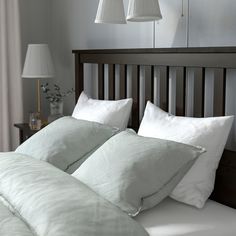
[143,10]
[111,12]
[38,62]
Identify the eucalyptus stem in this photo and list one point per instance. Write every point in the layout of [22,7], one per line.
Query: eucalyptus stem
[55,95]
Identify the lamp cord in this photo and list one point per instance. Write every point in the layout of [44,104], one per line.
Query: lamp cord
[38,97]
[187,21]
[187,31]
[182,14]
[187,25]
[154,34]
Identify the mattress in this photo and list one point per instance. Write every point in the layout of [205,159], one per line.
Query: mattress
[171,218]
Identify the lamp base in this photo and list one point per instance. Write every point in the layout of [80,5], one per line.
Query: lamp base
[38,96]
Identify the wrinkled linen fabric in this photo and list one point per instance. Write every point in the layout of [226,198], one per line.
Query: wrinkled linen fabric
[39,199]
[66,141]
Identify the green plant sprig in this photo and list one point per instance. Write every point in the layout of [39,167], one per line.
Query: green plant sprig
[55,95]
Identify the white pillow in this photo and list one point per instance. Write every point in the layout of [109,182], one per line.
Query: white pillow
[112,113]
[210,133]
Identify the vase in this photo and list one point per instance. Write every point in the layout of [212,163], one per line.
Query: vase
[56,111]
[35,121]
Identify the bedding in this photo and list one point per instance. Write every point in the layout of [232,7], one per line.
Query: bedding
[210,133]
[38,199]
[77,164]
[112,113]
[66,141]
[172,218]
[136,173]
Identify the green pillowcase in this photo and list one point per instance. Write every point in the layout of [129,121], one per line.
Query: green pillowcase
[134,172]
[66,141]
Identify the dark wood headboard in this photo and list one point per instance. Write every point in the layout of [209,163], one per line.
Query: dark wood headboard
[158,63]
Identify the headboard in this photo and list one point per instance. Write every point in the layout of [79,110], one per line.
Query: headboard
[157,65]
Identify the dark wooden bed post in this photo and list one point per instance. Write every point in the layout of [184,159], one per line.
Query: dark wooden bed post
[79,76]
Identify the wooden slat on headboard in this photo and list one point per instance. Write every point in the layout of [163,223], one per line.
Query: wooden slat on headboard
[101,83]
[123,82]
[135,95]
[180,91]
[164,88]
[157,65]
[111,80]
[199,88]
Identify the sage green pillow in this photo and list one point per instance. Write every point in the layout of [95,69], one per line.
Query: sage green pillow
[66,141]
[135,172]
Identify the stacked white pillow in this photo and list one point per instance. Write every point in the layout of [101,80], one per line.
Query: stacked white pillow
[111,113]
[210,133]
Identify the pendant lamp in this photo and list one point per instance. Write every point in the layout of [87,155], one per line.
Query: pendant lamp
[111,12]
[143,10]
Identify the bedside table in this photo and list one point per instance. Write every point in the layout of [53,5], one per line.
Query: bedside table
[25,132]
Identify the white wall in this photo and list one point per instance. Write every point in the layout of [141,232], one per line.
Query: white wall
[212,23]
[73,28]
[69,24]
[172,29]
[35,28]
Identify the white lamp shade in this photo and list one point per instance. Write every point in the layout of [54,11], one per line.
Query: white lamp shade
[111,12]
[38,62]
[143,10]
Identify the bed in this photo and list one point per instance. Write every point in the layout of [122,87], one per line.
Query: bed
[137,73]
[111,191]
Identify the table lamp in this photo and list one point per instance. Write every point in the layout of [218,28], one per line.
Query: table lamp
[38,65]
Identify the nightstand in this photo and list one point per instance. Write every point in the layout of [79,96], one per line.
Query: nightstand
[25,132]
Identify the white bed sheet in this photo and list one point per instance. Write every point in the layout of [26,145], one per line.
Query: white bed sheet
[171,218]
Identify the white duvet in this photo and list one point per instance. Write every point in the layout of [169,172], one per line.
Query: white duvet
[39,199]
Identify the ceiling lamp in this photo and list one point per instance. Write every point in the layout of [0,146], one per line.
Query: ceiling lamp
[143,10]
[111,12]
